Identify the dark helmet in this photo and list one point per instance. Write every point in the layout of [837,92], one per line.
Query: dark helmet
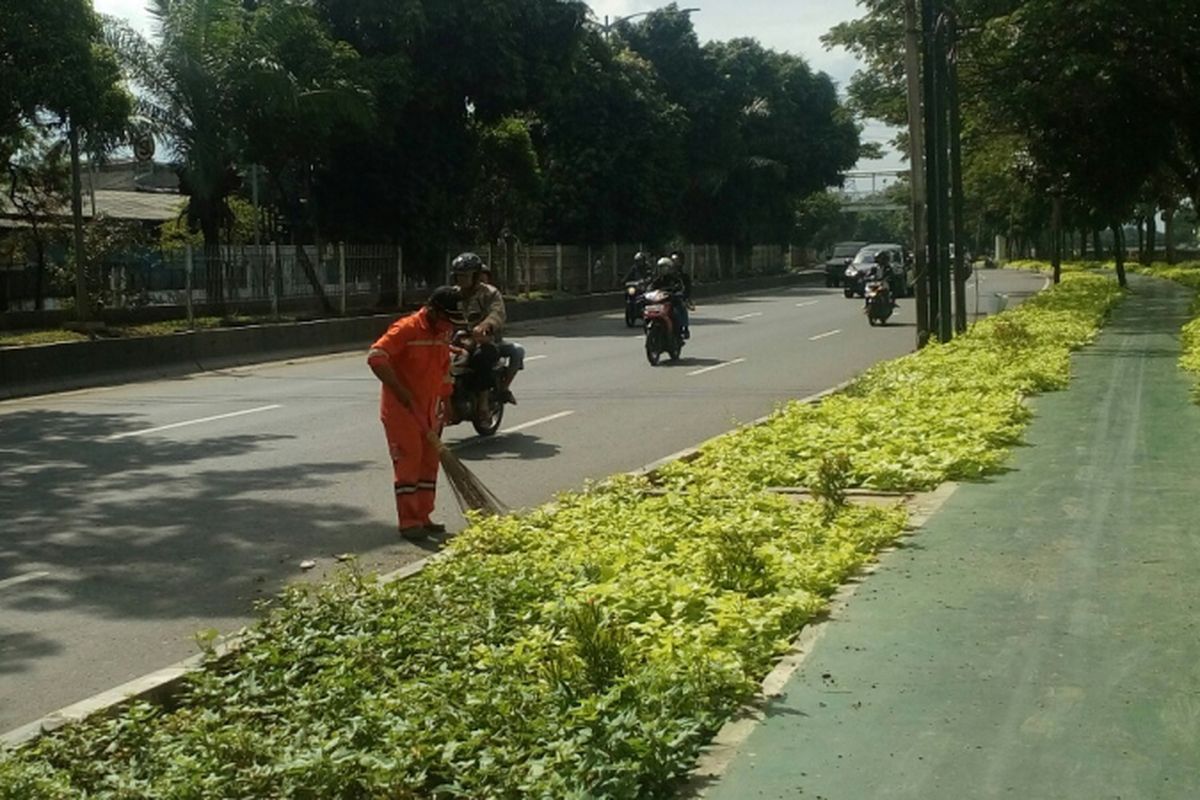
[466,262]
[448,301]
[640,258]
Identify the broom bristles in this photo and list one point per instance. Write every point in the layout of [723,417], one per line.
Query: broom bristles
[471,493]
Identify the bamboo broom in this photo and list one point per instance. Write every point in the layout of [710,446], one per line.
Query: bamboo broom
[470,492]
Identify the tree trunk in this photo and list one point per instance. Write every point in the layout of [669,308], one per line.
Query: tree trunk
[83,309]
[1119,252]
[1096,246]
[1083,245]
[1169,233]
[1056,235]
[39,275]
[1141,234]
[214,274]
[297,224]
[1151,238]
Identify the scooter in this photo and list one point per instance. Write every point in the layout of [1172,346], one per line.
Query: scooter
[635,299]
[663,333]
[880,304]
[469,383]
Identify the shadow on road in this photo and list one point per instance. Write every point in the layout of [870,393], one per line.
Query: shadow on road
[146,527]
[507,446]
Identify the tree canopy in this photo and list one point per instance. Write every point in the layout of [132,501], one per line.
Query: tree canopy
[1091,100]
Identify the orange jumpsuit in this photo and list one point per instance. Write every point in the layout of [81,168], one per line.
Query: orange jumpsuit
[419,352]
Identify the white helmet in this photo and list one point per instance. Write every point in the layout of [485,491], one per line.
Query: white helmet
[665,264]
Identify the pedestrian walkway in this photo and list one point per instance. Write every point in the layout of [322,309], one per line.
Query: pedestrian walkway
[1040,636]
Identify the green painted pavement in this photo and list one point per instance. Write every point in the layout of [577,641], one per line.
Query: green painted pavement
[1040,637]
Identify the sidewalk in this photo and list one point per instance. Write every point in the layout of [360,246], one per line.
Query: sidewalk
[1040,636]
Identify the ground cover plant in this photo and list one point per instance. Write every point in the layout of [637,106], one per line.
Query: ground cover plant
[947,412]
[588,648]
[122,331]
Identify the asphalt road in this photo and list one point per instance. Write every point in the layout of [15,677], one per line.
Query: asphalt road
[134,516]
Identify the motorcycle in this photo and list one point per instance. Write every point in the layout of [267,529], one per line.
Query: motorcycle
[635,299]
[879,304]
[469,383]
[663,333]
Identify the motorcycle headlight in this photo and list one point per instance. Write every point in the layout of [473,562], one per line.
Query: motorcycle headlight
[851,272]
[631,291]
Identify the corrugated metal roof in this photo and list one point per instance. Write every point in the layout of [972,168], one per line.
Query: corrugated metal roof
[141,206]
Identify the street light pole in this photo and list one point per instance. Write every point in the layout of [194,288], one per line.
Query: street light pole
[608,26]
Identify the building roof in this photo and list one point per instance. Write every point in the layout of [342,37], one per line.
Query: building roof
[115,204]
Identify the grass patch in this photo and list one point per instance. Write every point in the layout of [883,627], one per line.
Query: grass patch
[164,328]
[588,648]
[53,336]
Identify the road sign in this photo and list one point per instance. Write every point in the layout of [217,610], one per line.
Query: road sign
[143,147]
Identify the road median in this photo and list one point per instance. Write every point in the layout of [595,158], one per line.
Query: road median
[595,644]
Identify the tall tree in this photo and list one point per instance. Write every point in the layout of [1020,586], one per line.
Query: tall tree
[440,72]
[296,96]
[55,70]
[37,187]
[186,83]
[612,151]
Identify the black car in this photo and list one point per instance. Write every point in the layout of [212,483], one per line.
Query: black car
[835,266]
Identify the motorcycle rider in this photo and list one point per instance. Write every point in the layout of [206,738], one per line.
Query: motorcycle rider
[640,271]
[880,271]
[483,305]
[672,279]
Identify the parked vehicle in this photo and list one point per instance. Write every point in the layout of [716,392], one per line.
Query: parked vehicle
[473,376]
[835,266]
[635,298]
[880,302]
[903,272]
[663,333]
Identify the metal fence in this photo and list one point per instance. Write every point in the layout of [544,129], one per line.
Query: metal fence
[338,277]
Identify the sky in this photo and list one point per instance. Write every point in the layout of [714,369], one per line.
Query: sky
[792,25]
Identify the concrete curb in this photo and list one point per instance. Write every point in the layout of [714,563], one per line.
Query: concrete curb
[164,684]
[43,369]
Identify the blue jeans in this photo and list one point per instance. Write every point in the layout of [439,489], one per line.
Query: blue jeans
[681,311]
[515,354]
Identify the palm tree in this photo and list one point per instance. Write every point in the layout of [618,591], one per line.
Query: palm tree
[186,94]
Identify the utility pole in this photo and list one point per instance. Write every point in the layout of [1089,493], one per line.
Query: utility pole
[935,212]
[956,176]
[916,159]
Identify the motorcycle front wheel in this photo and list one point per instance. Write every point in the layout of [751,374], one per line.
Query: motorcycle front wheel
[489,426]
[654,344]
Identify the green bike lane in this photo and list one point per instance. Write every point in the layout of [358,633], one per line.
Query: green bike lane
[1039,637]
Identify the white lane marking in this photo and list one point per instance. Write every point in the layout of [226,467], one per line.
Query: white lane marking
[717,366]
[533,358]
[32,576]
[173,425]
[823,335]
[807,303]
[538,421]
[748,316]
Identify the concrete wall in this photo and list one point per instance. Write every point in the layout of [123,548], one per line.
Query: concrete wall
[40,369]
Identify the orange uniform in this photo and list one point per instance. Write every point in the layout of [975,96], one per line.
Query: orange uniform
[419,352]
